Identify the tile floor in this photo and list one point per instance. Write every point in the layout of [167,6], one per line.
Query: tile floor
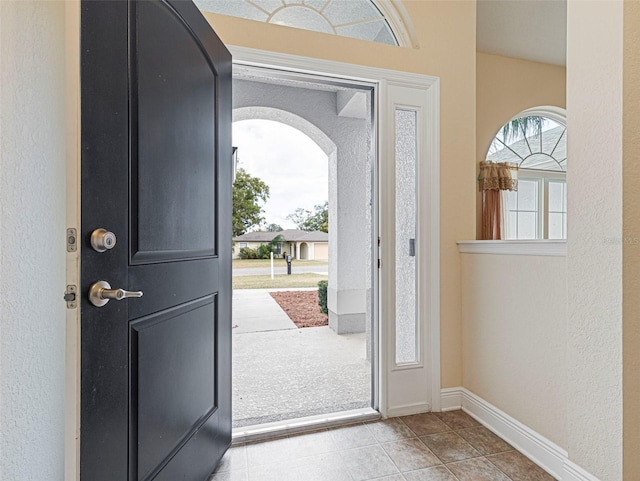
[449,446]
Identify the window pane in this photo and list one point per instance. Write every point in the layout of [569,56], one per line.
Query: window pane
[301,17]
[556,225]
[340,12]
[513,225]
[364,31]
[527,195]
[512,199]
[555,197]
[406,158]
[236,9]
[527,225]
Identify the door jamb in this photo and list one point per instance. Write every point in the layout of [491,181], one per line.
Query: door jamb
[428,210]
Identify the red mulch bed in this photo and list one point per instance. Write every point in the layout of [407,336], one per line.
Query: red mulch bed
[301,307]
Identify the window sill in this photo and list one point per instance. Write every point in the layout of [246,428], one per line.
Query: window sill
[553,248]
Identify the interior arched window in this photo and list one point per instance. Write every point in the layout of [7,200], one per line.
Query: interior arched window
[537,142]
[360,19]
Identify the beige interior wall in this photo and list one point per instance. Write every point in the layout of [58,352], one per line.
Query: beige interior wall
[514,343]
[505,87]
[631,249]
[446,33]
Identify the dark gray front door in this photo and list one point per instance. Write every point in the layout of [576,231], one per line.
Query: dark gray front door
[156,171]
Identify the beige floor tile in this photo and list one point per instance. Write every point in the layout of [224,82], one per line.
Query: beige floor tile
[410,454]
[484,440]
[392,429]
[426,423]
[449,447]
[438,473]
[518,467]
[355,436]
[367,463]
[457,419]
[477,469]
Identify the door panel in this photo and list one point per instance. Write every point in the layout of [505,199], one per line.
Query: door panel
[172,353]
[175,140]
[156,171]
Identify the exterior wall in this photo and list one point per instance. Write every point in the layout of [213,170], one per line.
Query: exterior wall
[32,240]
[631,250]
[595,254]
[321,251]
[437,24]
[514,341]
[506,86]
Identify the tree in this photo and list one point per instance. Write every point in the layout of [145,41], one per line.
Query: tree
[522,127]
[274,228]
[249,195]
[304,219]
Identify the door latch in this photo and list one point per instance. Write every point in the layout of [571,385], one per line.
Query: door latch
[72,240]
[71,297]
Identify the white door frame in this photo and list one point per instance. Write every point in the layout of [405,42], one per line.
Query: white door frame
[397,383]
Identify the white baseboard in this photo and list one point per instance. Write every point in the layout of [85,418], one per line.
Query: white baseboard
[545,453]
[451,399]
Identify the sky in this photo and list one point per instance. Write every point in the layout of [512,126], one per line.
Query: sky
[289,162]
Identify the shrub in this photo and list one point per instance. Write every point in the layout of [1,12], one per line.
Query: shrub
[322,296]
[263,251]
[247,253]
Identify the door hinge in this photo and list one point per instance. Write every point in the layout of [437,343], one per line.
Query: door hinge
[72,240]
[71,297]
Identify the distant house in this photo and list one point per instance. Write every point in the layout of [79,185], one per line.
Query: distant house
[299,244]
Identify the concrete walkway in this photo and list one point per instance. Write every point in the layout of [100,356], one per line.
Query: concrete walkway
[282,372]
[254,310]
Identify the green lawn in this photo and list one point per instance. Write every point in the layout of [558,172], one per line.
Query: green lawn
[265,282]
[279,261]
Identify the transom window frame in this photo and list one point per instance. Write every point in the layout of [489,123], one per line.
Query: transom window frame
[393,13]
[543,177]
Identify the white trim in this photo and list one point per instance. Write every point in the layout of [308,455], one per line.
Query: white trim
[544,452]
[408,409]
[400,22]
[328,68]
[451,399]
[429,90]
[542,247]
[72,320]
[554,113]
[300,425]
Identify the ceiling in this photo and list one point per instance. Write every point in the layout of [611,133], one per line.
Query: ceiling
[529,29]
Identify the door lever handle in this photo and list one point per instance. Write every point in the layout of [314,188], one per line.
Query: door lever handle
[100,293]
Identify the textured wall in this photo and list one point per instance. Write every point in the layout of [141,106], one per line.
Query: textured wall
[594,262]
[32,240]
[446,32]
[631,250]
[514,311]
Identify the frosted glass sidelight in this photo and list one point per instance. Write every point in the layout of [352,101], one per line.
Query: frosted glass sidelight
[406,202]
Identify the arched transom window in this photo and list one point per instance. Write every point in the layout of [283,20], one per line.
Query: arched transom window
[537,142]
[360,19]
